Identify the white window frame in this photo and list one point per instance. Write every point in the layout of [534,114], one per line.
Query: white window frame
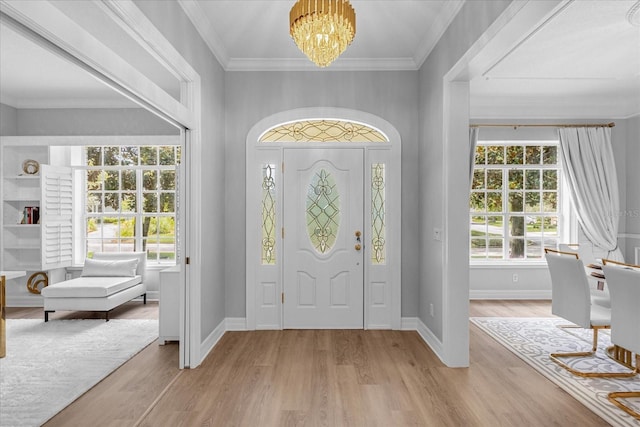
[139,191]
[567,221]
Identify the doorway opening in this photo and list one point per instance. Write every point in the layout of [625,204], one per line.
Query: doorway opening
[323,221]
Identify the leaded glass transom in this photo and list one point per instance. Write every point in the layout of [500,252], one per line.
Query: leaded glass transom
[323,211]
[323,131]
[268,215]
[378,227]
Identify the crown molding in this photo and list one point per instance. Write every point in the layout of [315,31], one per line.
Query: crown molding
[303,64]
[198,18]
[202,24]
[440,24]
[505,107]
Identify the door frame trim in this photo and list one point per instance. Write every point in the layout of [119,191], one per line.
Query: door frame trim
[264,284]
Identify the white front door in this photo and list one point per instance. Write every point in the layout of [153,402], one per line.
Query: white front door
[323,241]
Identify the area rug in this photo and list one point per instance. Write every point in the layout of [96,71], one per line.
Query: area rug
[49,365]
[533,339]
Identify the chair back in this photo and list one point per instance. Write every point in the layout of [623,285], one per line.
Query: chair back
[624,288]
[570,295]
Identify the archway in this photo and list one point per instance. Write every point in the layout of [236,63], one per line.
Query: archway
[323,129]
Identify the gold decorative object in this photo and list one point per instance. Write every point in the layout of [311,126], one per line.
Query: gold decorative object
[323,130]
[30,167]
[3,323]
[322,29]
[39,278]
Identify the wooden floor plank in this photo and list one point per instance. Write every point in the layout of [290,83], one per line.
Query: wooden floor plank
[329,378]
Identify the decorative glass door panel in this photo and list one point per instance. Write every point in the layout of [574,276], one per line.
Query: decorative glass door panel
[323,252]
[323,211]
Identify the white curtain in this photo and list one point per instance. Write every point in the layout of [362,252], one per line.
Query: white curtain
[590,170]
[473,141]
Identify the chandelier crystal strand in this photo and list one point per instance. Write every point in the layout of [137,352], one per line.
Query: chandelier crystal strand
[322,29]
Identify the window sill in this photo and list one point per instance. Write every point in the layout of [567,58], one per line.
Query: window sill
[507,265]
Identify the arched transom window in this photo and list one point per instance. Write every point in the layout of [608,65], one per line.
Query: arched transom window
[323,131]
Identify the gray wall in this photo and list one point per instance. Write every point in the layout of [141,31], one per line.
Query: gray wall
[470,23]
[252,96]
[631,213]
[8,120]
[170,19]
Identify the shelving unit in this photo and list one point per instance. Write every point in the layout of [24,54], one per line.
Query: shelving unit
[45,245]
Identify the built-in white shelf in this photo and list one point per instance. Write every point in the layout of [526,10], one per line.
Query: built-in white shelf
[45,245]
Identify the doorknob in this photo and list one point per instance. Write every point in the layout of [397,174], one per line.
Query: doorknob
[358,234]
[357,247]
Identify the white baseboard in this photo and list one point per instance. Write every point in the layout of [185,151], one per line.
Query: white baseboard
[416,324]
[236,323]
[207,345]
[409,324]
[430,339]
[24,301]
[153,295]
[513,294]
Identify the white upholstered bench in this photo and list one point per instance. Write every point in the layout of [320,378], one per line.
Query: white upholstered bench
[96,292]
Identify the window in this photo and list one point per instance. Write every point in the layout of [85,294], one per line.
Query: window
[130,200]
[515,202]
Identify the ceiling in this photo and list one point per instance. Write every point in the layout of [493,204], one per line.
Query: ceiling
[584,61]
[254,34]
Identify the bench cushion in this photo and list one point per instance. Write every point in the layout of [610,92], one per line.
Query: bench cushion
[109,267]
[90,287]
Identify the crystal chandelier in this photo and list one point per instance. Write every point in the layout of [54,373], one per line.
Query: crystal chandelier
[322,29]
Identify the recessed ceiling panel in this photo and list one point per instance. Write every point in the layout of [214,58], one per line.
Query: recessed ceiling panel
[587,39]
[397,29]
[34,77]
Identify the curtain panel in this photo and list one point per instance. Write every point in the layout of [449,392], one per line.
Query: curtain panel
[473,142]
[590,171]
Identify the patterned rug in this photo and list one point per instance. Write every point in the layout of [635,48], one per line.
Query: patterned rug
[533,339]
[49,365]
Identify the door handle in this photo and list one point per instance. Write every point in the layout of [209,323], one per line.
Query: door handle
[357,247]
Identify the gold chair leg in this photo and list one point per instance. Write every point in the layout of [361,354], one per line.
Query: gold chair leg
[557,356]
[616,395]
[613,398]
[621,355]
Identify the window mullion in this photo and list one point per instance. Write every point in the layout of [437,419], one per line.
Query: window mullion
[505,212]
[139,208]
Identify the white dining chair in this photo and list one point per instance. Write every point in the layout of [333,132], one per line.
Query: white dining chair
[623,281]
[571,300]
[599,294]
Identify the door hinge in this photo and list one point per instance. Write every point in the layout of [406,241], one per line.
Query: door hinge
[187,260]
[283,297]
[283,232]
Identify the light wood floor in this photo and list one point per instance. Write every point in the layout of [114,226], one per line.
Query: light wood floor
[329,378]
